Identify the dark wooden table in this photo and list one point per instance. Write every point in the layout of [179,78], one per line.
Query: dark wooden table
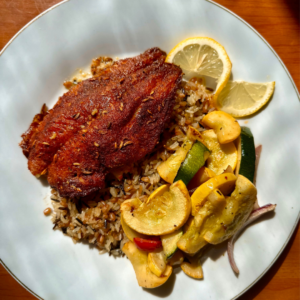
[278,22]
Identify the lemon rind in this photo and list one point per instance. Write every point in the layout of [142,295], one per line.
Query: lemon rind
[249,111]
[222,80]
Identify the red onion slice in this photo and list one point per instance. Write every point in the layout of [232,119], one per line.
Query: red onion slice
[191,192]
[253,217]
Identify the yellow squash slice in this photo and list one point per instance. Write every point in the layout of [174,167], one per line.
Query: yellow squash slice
[192,240]
[158,192]
[238,208]
[157,262]
[193,267]
[192,270]
[139,261]
[226,127]
[224,182]
[130,233]
[161,215]
[221,155]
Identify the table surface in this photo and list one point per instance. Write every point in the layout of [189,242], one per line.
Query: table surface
[278,22]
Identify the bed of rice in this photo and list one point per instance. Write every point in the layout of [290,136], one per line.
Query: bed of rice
[96,219]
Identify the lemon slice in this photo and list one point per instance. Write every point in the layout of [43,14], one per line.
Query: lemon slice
[202,57]
[240,98]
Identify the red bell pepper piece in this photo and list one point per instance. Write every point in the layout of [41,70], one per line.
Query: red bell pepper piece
[149,244]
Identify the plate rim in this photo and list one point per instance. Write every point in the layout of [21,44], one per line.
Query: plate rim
[282,64]
[298,95]
[29,23]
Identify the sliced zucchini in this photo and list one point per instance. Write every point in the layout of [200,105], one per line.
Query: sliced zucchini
[194,160]
[246,154]
[169,242]
[139,261]
[161,215]
[169,168]
[186,161]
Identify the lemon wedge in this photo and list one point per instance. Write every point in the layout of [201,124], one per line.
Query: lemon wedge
[202,57]
[241,98]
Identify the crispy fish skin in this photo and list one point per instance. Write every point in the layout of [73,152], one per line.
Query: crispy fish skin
[27,136]
[128,130]
[74,109]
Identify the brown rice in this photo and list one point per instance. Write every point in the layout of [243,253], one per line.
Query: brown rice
[97,219]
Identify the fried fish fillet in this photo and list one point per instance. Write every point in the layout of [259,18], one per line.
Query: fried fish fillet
[74,109]
[107,121]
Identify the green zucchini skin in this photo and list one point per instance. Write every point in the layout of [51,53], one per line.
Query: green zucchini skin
[194,160]
[247,154]
[169,242]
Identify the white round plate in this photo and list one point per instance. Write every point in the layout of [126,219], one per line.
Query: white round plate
[32,69]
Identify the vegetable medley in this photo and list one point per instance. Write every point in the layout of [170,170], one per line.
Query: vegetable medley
[209,197]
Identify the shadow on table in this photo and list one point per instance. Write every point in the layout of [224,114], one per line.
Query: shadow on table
[294,7]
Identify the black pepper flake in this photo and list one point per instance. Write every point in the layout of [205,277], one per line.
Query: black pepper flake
[175,225]
[219,193]
[79,221]
[64,230]
[105,223]
[63,208]
[55,200]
